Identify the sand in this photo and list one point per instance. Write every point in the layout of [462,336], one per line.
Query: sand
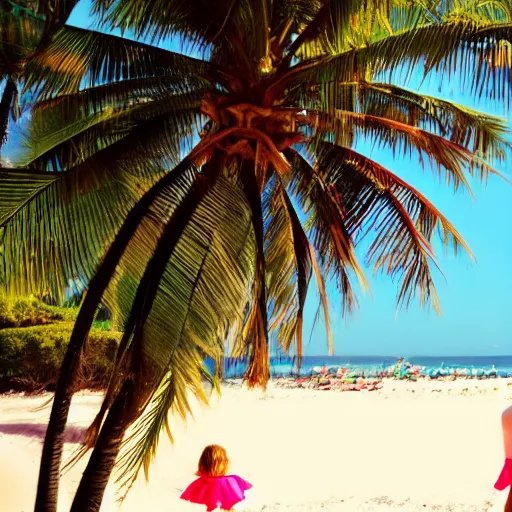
[411,446]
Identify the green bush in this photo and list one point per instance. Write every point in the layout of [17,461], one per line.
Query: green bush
[28,311]
[6,316]
[102,325]
[30,357]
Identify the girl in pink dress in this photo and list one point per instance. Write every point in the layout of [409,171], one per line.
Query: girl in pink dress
[505,478]
[214,488]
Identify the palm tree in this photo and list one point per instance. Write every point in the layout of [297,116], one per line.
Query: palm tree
[25,30]
[221,244]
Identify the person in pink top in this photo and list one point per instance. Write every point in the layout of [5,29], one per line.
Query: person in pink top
[505,478]
[214,487]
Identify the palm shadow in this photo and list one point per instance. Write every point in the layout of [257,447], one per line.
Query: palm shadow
[72,434]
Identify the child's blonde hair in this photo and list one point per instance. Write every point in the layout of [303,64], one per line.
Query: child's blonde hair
[213,461]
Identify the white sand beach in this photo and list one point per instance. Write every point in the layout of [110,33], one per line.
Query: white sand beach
[410,446]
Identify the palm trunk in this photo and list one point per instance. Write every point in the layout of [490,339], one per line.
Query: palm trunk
[49,471]
[90,491]
[95,479]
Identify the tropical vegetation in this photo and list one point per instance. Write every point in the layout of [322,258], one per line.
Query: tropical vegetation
[30,357]
[197,192]
[33,341]
[26,28]
[30,311]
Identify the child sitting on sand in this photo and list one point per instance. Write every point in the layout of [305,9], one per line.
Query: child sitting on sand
[214,488]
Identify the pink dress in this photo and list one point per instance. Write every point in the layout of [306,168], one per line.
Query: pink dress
[505,478]
[217,491]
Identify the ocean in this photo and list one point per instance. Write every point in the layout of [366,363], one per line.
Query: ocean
[285,365]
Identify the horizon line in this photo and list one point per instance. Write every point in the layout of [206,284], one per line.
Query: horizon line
[398,356]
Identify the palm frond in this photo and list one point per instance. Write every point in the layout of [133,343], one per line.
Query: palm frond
[19,186]
[326,228]
[443,156]
[63,138]
[303,263]
[66,240]
[7,107]
[201,304]
[255,333]
[341,14]
[473,52]
[69,207]
[342,24]
[20,33]
[157,21]
[288,268]
[482,134]
[233,32]
[130,282]
[324,299]
[290,17]
[313,32]
[401,220]
[124,94]
[78,58]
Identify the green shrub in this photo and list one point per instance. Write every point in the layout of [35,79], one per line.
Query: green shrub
[6,316]
[28,311]
[30,357]
[102,325]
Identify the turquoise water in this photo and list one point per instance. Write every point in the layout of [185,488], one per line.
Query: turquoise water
[375,364]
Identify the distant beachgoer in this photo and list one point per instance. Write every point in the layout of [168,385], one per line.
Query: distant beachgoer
[214,487]
[505,478]
[397,374]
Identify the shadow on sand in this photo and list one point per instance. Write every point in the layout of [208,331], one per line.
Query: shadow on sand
[73,434]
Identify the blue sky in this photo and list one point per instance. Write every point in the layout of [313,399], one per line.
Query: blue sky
[476,297]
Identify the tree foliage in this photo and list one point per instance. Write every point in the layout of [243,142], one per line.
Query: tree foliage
[26,28]
[273,189]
